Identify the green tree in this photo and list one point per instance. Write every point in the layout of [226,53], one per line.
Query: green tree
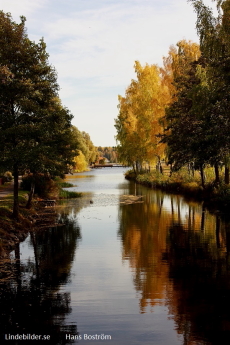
[187,134]
[92,151]
[191,126]
[214,33]
[33,124]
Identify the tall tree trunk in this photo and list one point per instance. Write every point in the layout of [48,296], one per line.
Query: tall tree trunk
[226,174]
[217,173]
[193,170]
[161,169]
[16,203]
[134,169]
[202,176]
[31,194]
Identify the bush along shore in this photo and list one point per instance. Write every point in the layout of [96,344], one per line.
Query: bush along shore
[39,215]
[214,195]
[47,188]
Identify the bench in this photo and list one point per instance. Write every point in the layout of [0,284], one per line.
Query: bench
[47,203]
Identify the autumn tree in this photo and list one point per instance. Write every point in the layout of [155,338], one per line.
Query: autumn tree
[86,151]
[137,124]
[79,162]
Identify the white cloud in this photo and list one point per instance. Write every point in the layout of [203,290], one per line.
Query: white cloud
[93,46]
[103,44]
[97,50]
[21,8]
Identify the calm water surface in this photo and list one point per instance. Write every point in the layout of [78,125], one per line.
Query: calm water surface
[156,272]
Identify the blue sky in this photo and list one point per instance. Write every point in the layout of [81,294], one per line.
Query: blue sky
[93,45]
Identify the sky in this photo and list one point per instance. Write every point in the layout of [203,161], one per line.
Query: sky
[93,45]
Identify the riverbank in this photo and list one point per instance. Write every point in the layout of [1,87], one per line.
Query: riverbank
[37,217]
[14,231]
[214,196]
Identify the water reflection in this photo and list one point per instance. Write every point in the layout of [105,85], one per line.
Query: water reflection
[199,269]
[33,302]
[179,255]
[143,230]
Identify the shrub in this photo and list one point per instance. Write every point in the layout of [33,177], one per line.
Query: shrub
[223,194]
[45,187]
[102,161]
[3,179]
[8,175]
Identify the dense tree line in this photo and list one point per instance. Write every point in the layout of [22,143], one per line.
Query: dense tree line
[107,152]
[180,112]
[198,122]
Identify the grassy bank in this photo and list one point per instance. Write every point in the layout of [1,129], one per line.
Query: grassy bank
[214,195]
[66,194]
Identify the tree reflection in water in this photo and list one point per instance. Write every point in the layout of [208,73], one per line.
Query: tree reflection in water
[179,254]
[143,229]
[32,302]
[199,268]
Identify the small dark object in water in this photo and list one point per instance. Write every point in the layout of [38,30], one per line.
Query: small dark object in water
[91,202]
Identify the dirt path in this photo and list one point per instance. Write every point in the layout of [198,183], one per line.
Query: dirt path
[6,190]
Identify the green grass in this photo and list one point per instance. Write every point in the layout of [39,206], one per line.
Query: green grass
[66,184]
[5,185]
[7,201]
[65,194]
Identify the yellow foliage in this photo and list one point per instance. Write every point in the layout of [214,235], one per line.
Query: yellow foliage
[141,120]
[80,163]
[138,123]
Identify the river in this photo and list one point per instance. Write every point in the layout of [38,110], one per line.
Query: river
[155,272]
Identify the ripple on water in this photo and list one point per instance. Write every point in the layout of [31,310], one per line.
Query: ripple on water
[105,200]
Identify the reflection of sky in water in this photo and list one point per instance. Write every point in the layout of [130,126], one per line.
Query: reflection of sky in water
[26,250]
[104,180]
[184,207]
